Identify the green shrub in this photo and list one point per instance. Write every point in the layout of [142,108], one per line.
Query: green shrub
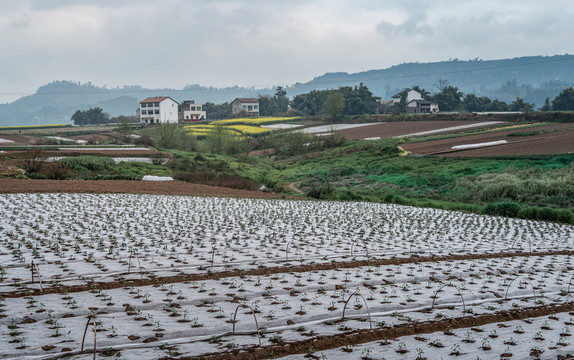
[508,209]
[56,171]
[90,162]
[388,150]
[564,216]
[37,176]
[348,195]
[530,212]
[547,214]
[168,136]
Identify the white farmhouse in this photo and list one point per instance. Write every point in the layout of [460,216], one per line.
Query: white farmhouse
[190,111]
[411,95]
[248,105]
[158,110]
[422,107]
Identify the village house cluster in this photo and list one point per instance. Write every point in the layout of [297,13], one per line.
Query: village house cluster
[164,110]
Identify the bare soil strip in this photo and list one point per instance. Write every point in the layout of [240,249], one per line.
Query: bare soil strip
[364,336]
[209,275]
[553,139]
[467,149]
[126,186]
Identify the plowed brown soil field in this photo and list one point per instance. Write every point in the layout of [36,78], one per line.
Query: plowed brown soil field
[392,129]
[553,139]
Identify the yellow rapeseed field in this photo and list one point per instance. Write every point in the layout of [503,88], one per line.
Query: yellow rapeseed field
[203,130]
[255,121]
[249,130]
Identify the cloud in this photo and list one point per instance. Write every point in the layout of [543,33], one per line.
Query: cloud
[171,43]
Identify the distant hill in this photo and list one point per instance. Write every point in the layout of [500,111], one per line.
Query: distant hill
[57,101]
[531,78]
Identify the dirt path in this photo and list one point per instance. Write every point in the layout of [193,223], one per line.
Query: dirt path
[294,186]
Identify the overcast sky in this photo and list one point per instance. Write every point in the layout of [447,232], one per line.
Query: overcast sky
[260,43]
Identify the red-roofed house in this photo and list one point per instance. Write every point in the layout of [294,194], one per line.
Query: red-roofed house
[158,110]
[249,105]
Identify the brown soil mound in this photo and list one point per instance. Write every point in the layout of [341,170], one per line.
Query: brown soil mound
[126,186]
[321,343]
[57,288]
[112,153]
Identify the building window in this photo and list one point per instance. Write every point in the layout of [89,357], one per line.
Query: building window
[157,111]
[244,107]
[155,104]
[144,112]
[256,107]
[199,108]
[250,107]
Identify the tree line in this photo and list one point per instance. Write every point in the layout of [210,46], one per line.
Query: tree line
[358,100]
[450,98]
[346,100]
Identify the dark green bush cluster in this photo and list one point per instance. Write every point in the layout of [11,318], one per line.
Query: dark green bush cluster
[508,209]
[88,162]
[188,163]
[511,209]
[547,214]
[526,186]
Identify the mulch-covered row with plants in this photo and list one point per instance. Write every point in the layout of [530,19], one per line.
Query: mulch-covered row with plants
[159,276]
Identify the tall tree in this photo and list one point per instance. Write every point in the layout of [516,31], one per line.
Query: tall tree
[91,116]
[440,84]
[547,106]
[564,101]
[282,100]
[125,128]
[273,105]
[474,103]
[449,99]
[497,105]
[521,105]
[267,105]
[217,111]
[310,104]
[334,105]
